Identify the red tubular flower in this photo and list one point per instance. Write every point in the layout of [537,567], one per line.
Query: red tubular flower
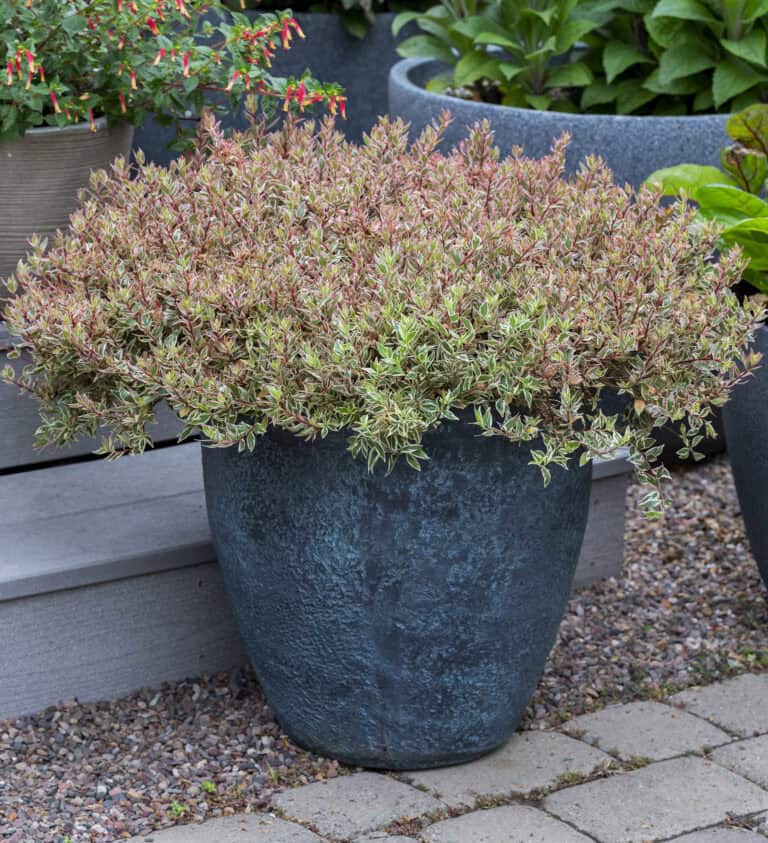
[18,67]
[132,7]
[182,8]
[298,30]
[42,72]
[152,24]
[31,61]
[122,102]
[92,119]
[288,95]
[91,24]
[55,102]
[185,71]
[285,35]
[343,107]
[301,95]
[235,76]
[159,56]
[134,86]
[10,72]
[119,5]
[267,56]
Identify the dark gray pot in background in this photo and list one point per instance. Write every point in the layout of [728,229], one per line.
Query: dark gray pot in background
[397,621]
[633,147]
[746,427]
[361,66]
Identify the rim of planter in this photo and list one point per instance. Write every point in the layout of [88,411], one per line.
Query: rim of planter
[70,128]
[402,75]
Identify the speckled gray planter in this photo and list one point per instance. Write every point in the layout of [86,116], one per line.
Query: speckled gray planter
[361,66]
[632,146]
[746,424]
[396,621]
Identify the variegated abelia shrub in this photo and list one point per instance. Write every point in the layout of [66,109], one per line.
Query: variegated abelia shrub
[296,280]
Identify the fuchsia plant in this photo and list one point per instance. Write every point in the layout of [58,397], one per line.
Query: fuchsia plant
[71,60]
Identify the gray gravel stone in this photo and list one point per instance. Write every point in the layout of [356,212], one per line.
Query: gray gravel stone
[529,761]
[509,824]
[646,730]
[657,801]
[748,758]
[245,828]
[721,835]
[738,705]
[354,805]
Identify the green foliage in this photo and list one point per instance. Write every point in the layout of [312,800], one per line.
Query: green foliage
[623,56]
[356,16]
[296,280]
[81,59]
[732,197]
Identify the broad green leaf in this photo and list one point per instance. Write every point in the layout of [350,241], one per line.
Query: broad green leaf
[598,94]
[683,9]
[426,47]
[538,101]
[687,178]
[685,59]
[754,9]
[618,56]
[704,101]
[572,31]
[472,27]
[729,204]
[497,40]
[682,87]
[509,70]
[475,65]
[632,97]
[437,84]
[751,48]
[748,168]
[750,127]
[403,19]
[733,77]
[575,75]
[752,236]
[666,32]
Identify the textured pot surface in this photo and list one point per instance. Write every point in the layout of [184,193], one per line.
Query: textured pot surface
[360,65]
[746,423]
[633,147]
[396,621]
[41,175]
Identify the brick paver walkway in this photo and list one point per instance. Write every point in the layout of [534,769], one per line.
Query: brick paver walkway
[693,769]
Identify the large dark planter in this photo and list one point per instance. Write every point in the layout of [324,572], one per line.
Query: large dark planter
[397,621]
[360,65]
[746,426]
[633,147]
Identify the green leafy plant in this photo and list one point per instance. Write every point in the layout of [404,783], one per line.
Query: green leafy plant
[81,59]
[295,280]
[732,197]
[623,56]
[515,45]
[356,16]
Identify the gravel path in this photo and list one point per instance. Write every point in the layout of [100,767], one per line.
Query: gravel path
[691,609]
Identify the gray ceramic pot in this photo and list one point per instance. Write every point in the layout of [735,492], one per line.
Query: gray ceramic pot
[361,66]
[633,147]
[746,423]
[397,621]
[41,175]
